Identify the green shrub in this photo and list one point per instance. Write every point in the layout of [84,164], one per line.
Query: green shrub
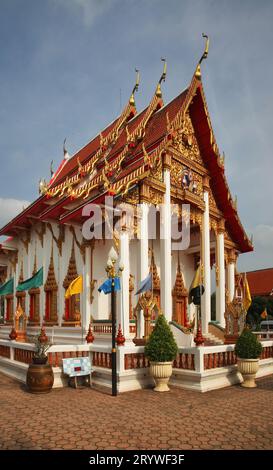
[248,346]
[161,345]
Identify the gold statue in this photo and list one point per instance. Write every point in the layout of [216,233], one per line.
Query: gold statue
[43,186]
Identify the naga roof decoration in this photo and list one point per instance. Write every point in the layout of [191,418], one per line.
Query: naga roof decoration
[129,150]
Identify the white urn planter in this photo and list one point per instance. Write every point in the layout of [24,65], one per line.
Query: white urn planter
[161,372]
[248,369]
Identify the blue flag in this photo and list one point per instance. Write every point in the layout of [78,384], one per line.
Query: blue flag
[145,285]
[107,285]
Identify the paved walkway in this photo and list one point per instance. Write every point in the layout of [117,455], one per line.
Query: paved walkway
[231,418]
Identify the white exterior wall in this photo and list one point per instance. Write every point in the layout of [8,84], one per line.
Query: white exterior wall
[101,307]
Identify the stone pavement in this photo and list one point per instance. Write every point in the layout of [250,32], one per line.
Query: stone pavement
[230,418]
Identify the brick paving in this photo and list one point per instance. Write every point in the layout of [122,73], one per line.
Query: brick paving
[230,418]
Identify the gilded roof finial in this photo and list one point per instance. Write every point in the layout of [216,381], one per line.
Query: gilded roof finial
[162,79]
[204,56]
[51,169]
[132,97]
[66,154]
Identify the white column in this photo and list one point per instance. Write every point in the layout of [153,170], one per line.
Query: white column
[143,256]
[231,276]
[166,250]
[206,298]
[220,287]
[86,306]
[123,305]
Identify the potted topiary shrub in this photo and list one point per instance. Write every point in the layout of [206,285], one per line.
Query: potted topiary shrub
[161,349]
[40,377]
[248,349]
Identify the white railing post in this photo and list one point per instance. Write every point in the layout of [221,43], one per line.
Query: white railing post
[11,355]
[199,359]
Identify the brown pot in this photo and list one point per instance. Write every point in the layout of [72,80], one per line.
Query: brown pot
[40,378]
[39,360]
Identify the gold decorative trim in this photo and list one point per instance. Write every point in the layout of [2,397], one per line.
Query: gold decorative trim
[26,241]
[41,233]
[81,245]
[61,237]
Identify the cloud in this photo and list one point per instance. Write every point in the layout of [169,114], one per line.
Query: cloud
[89,10]
[9,208]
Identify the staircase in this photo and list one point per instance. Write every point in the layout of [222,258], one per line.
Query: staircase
[212,340]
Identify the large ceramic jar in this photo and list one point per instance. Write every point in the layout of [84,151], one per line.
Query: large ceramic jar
[40,378]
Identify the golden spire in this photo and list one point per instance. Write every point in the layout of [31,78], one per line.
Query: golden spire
[132,97]
[158,91]
[153,271]
[178,262]
[204,56]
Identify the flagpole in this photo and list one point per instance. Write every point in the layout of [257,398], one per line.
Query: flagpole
[114,350]
[112,275]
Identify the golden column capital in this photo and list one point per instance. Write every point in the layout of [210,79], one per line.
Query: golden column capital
[232,256]
[166,161]
[221,227]
[206,185]
[144,195]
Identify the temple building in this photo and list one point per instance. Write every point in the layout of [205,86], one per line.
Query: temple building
[166,155]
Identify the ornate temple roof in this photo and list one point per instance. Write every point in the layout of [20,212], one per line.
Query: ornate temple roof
[127,151]
[260,282]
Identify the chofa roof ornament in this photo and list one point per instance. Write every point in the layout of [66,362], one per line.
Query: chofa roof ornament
[132,97]
[204,56]
[162,79]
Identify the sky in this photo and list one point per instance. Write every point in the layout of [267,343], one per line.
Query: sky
[67,68]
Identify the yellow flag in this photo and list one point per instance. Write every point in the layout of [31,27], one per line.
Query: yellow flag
[75,287]
[196,280]
[247,296]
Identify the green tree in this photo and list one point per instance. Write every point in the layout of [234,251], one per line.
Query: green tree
[259,304]
[161,345]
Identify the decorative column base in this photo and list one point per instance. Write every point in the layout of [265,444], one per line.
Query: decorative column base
[89,337]
[120,339]
[199,339]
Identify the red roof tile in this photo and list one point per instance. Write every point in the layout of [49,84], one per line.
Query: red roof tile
[260,282]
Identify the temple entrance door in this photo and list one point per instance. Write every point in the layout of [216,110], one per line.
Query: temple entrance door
[180,312]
